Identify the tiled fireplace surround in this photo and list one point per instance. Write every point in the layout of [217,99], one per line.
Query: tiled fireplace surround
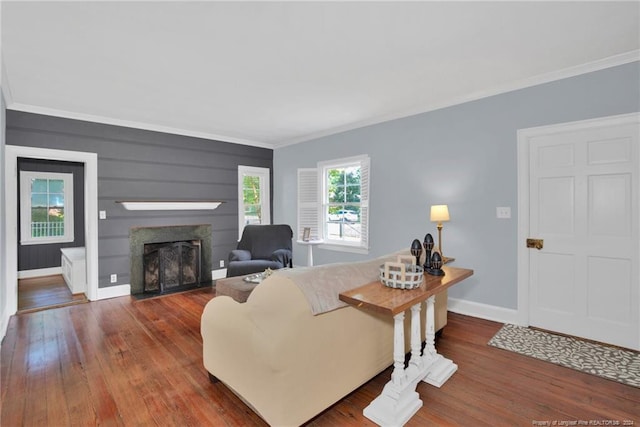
[139,236]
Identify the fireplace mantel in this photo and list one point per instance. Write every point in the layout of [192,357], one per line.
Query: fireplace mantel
[169,205]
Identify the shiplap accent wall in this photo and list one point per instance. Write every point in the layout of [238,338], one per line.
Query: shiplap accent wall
[136,164]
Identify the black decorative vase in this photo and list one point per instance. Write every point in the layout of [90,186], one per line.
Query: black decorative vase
[416,250]
[436,265]
[428,247]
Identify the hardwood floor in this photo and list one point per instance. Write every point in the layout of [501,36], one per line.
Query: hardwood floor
[124,362]
[39,293]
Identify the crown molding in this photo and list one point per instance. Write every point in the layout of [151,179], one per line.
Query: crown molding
[16,106]
[612,61]
[616,60]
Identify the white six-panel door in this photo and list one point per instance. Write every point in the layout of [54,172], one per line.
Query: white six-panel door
[583,204]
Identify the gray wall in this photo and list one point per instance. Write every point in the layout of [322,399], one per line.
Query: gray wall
[136,164]
[464,156]
[31,257]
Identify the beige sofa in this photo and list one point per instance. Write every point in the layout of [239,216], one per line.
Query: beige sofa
[288,364]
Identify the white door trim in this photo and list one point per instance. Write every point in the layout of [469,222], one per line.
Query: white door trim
[90,160]
[524,136]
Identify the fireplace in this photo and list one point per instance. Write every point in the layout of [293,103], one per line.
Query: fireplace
[169,258]
[171,266]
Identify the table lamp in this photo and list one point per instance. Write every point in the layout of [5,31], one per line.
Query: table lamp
[439,214]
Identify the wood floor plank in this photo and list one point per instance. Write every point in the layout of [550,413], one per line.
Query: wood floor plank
[122,362]
[38,293]
[14,359]
[123,377]
[57,409]
[35,411]
[100,397]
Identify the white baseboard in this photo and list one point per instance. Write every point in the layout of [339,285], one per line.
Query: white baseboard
[482,311]
[124,290]
[114,291]
[218,274]
[26,274]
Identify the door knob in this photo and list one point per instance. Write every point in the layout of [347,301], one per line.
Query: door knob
[535,243]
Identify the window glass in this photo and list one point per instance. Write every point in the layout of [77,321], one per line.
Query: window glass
[46,207]
[253,196]
[39,185]
[251,199]
[343,208]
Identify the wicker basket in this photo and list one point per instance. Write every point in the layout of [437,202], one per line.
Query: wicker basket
[401,276]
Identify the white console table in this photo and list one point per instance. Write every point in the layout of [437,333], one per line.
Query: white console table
[74,269]
[399,400]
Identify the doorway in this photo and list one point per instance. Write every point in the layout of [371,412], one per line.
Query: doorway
[578,196]
[51,203]
[90,161]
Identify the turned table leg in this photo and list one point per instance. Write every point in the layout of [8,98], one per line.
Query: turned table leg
[438,368]
[416,339]
[398,375]
[399,400]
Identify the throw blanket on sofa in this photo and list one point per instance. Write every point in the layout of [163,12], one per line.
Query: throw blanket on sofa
[322,284]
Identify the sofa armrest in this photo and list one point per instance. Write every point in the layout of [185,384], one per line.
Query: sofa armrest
[235,333]
[239,255]
[283,256]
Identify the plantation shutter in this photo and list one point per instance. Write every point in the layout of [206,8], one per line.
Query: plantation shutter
[364,201]
[308,202]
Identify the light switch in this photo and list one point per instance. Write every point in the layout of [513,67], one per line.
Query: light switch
[503,212]
[102,215]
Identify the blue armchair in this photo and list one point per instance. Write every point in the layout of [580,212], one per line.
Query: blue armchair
[261,247]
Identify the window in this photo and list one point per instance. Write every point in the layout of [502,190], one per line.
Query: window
[46,207]
[254,202]
[333,200]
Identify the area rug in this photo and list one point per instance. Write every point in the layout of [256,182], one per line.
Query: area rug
[612,363]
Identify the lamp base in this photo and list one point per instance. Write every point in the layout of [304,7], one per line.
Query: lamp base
[440,238]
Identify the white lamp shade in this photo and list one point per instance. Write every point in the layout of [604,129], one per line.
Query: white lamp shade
[439,213]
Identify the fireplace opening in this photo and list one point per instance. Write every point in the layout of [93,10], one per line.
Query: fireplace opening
[145,240]
[171,266]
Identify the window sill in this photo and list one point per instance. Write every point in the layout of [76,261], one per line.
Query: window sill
[47,241]
[344,248]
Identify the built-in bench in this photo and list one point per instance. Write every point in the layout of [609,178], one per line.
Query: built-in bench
[74,269]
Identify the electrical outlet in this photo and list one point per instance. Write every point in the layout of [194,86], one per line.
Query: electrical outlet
[114,278]
[102,214]
[221,263]
[503,212]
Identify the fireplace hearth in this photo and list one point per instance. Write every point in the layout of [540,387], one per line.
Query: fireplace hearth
[171,258]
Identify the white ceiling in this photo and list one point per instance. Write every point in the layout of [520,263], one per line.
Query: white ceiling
[276,73]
